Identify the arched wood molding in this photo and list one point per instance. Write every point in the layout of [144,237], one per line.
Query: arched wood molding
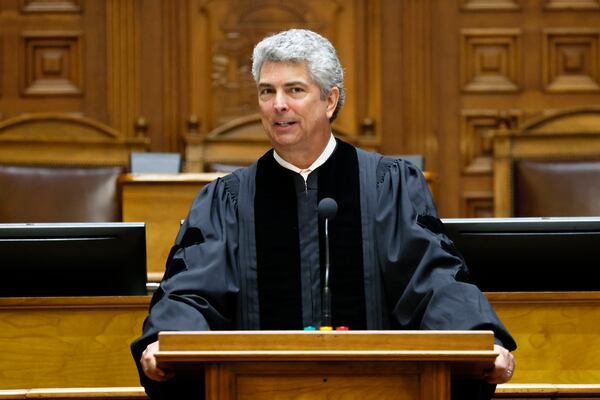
[64,139]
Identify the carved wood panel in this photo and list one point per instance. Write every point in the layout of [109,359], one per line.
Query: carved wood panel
[571,61]
[52,63]
[53,57]
[490,60]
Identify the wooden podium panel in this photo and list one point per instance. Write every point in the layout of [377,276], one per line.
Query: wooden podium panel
[324,365]
[359,380]
[63,342]
[161,201]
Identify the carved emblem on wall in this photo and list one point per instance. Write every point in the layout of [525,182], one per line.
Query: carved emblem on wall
[490,60]
[52,64]
[571,61]
[233,86]
[241,24]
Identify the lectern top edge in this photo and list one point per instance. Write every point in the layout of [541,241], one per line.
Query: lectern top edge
[327,341]
[333,332]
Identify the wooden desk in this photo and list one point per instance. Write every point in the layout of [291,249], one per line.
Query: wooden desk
[65,342]
[557,333]
[161,201]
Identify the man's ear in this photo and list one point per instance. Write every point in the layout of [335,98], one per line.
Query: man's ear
[332,99]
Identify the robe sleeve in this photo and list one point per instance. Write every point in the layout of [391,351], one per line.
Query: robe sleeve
[425,277]
[200,286]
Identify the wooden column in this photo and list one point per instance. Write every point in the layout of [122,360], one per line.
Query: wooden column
[123,67]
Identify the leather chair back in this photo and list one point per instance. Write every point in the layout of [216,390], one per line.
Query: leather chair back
[59,194]
[556,188]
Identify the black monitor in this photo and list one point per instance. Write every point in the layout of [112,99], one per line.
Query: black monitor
[72,259]
[529,254]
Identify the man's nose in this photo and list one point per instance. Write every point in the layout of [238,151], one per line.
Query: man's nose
[280,102]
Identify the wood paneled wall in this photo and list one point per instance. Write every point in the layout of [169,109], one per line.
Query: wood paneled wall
[423,76]
[503,62]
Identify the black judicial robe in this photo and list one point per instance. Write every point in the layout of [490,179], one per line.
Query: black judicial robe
[250,256]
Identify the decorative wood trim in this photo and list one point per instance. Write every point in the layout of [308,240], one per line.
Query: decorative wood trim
[488,5]
[83,124]
[78,393]
[64,303]
[502,176]
[571,5]
[543,390]
[53,6]
[544,297]
[476,144]
[63,139]
[123,69]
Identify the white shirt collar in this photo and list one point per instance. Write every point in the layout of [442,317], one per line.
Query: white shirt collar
[327,152]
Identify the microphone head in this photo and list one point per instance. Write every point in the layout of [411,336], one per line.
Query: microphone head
[327,208]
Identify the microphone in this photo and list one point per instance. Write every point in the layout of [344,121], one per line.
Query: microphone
[327,210]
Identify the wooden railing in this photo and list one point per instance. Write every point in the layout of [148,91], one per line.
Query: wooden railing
[547,391]
[101,393]
[506,391]
[72,342]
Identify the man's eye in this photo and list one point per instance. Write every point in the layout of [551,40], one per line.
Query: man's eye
[265,92]
[297,90]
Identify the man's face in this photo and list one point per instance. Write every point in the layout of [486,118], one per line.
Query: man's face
[293,114]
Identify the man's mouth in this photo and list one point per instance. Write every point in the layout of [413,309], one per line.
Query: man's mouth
[284,123]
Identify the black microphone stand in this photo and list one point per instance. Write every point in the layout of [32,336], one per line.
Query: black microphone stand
[326,300]
[327,210]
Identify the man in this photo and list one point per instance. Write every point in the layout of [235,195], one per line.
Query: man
[250,253]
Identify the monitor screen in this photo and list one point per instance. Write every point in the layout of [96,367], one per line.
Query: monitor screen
[72,259]
[529,254]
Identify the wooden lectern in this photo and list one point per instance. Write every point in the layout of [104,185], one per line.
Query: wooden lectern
[380,365]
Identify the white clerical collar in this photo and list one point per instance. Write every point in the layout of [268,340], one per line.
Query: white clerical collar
[327,152]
